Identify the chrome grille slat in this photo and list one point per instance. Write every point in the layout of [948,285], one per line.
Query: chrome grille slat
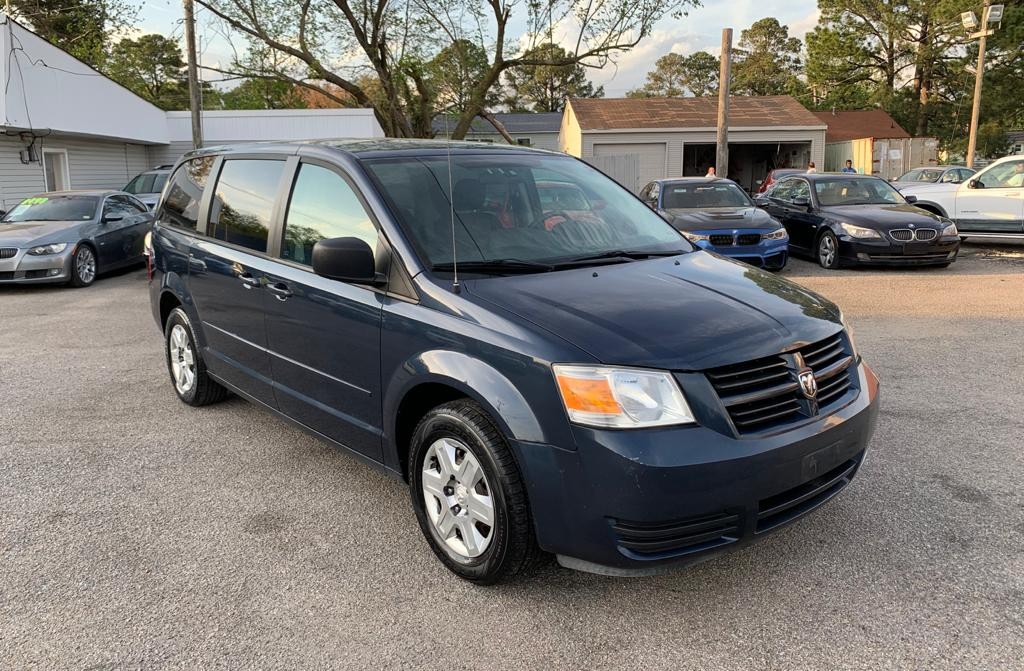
[908,234]
[8,252]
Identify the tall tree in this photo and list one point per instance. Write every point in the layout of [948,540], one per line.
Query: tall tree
[545,88]
[340,42]
[153,68]
[80,27]
[453,74]
[263,94]
[676,75]
[767,60]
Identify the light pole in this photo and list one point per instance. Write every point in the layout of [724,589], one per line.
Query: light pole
[989,14]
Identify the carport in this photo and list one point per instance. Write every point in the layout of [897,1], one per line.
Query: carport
[636,140]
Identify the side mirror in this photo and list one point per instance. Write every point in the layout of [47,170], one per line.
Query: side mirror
[112,218]
[975,184]
[801,201]
[3,213]
[345,259]
[910,199]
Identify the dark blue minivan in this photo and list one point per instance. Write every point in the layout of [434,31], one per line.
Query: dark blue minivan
[548,363]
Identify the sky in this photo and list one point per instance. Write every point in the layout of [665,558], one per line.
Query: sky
[700,30]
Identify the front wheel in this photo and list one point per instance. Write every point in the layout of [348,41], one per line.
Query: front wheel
[469,496]
[828,251]
[83,267]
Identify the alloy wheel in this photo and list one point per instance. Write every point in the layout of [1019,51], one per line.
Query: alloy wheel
[827,250]
[458,498]
[85,265]
[183,361]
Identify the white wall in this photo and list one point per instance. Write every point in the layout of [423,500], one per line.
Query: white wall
[49,90]
[220,127]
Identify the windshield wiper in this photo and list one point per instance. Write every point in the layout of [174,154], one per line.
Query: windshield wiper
[495,266]
[616,255]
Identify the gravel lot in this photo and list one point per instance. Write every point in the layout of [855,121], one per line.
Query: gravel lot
[138,533]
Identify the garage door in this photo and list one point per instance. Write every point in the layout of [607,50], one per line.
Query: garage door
[649,159]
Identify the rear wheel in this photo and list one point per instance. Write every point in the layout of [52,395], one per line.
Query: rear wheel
[185,363]
[828,250]
[83,267]
[469,496]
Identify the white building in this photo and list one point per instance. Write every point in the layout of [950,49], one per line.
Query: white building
[64,125]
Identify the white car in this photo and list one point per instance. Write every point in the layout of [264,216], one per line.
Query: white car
[990,204]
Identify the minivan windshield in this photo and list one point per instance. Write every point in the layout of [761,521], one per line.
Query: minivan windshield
[147,182]
[518,212]
[53,208]
[703,195]
[856,191]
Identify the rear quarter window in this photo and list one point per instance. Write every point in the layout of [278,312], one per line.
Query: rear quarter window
[181,206]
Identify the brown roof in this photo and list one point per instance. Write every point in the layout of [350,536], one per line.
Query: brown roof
[843,126]
[623,113]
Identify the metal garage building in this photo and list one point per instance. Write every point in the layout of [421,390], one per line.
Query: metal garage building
[636,140]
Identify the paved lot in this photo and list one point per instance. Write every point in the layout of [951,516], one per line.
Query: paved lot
[138,533]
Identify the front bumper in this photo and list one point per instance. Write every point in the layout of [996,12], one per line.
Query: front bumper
[647,501]
[769,254]
[890,253]
[23,268]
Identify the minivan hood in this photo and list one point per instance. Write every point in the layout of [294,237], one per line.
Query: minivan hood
[22,233]
[706,311]
[720,218]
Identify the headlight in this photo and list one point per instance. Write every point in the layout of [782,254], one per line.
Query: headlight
[950,231]
[780,234]
[43,250]
[695,237]
[859,231]
[621,398]
[849,333]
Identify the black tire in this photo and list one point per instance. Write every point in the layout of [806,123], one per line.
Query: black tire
[203,390]
[826,238]
[512,549]
[84,254]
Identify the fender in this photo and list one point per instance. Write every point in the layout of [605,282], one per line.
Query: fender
[174,284]
[483,383]
[925,204]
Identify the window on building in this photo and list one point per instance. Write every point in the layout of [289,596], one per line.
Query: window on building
[524,141]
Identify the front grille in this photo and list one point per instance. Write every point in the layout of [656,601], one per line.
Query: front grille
[765,393]
[901,234]
[748,238]
[792,503]
[721,240]
[8,252]
[925,234]
[6,276]
[693,534]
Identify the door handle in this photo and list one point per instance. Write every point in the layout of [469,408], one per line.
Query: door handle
[248,281]
[280,290]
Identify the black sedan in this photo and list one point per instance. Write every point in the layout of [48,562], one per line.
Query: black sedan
[858,219]
[71,236]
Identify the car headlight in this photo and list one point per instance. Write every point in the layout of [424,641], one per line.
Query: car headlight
[950,231]
[859,231]
[695,237]
[780,234]
[621,398]
[849,333]
[43,250]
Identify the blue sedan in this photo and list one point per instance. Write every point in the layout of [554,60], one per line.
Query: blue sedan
[717,215]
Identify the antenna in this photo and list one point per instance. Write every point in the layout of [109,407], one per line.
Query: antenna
[451,208]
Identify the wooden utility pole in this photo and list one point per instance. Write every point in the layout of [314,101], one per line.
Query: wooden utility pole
[972,141]
[722,158]
[194,90]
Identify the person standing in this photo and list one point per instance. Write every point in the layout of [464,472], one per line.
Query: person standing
[849,167]
[711,171]
[811,168]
